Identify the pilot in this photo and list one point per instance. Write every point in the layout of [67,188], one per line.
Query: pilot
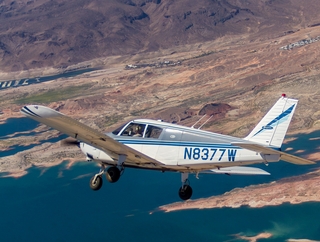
[138,131]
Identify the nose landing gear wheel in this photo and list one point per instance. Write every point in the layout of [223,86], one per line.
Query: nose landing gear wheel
[113,174]
[185,192]
[96,183]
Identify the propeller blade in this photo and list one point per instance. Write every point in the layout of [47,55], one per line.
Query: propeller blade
[69,142]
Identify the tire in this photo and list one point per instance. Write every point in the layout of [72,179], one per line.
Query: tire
[185,192]
[97,184]
[113,174]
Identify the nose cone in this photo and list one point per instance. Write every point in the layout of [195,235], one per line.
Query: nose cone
[69,142]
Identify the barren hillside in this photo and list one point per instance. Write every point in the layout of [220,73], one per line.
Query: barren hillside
[59,33]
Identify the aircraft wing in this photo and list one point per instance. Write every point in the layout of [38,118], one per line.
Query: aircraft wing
[88,135]
[265,150]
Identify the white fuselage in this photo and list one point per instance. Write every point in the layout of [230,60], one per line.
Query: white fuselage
[174,148]
[183,153]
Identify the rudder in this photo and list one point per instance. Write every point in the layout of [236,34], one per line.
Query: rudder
[273,127]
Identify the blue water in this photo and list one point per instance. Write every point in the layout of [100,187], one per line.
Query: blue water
[16,127]
[56,204]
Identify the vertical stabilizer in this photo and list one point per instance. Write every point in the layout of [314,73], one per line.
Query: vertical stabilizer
[273,127]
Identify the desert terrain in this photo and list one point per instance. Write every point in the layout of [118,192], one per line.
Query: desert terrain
[235,79]
[59,33]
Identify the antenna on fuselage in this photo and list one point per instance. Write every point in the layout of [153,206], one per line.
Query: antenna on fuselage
[205,122]
[198,121]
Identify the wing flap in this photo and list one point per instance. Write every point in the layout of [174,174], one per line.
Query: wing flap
[266,150]
[238,170]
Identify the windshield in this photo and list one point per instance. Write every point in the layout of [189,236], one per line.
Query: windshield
[117,131]
[135,130]
[138,130]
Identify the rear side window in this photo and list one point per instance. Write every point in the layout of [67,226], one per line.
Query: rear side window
[153,132]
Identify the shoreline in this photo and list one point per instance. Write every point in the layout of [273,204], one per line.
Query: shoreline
[44,155]
[52,154]
[294,190]
[20,173]
[4,117]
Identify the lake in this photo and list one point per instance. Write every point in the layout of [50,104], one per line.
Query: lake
[56,204]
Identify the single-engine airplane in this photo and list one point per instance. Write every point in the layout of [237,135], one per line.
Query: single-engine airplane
[157,145]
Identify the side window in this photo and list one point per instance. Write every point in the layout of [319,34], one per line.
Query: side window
[134,130]
[153,132]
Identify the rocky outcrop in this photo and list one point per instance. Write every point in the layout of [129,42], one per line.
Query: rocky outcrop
[215,109]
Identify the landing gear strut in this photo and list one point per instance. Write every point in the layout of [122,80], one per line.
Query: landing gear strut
[185,191]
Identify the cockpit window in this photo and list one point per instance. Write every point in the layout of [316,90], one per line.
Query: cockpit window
[117,131]
[138,130]
[134,130]
[153,132]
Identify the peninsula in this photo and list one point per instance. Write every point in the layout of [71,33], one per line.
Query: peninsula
[294,190]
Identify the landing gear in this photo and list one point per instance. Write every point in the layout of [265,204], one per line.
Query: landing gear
[185,191]
[96,183]
[113,174]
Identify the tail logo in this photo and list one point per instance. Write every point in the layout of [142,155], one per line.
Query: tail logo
[267,127]
[276,121]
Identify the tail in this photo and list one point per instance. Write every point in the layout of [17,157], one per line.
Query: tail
[273,127]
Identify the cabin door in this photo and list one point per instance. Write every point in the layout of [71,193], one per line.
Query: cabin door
[168,150]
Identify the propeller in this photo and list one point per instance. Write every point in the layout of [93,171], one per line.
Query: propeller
[69,142]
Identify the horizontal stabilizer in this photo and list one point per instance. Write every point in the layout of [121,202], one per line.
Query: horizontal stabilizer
[268,151]
[238,170]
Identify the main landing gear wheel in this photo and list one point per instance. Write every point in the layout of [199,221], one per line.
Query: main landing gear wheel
[96,183]
[113,174]
[185,192]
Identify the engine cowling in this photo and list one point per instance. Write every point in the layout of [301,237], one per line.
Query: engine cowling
[95,154]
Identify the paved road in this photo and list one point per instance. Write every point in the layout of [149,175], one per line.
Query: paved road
[29,81]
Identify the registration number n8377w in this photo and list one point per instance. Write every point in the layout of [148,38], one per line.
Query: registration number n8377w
[209,154]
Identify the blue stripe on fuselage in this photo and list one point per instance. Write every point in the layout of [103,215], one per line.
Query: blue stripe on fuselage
[176,143]
[180,144]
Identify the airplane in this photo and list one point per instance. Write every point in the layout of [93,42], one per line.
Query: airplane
[162,146]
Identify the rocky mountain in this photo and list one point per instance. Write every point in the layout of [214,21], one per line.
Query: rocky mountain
[59,33]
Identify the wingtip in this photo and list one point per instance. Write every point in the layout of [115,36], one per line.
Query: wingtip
[29,111]
[38,111]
